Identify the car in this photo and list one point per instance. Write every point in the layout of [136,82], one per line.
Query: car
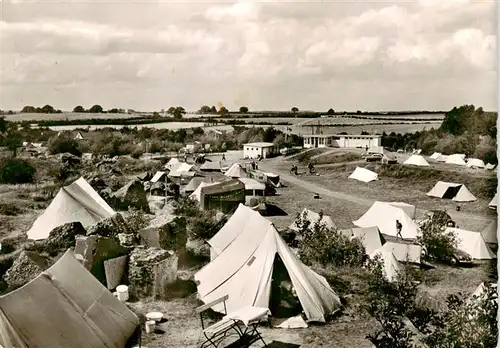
[374,157]
[457,258]
[389,160]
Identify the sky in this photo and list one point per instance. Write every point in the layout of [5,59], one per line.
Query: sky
[346,55]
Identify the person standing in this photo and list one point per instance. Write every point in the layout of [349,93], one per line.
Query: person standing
[223,157]
[399,227]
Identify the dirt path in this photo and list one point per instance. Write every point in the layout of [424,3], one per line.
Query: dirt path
[322,191]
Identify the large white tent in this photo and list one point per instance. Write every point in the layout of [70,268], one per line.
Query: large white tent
[404,252]
[313,218]
[179,169]
[489,166]
[384,216]
[244,270]
[236,171]
[490,233]
[65,306]
[475,163]
[364,175]
[391,265]
[159,176]
[77,202]
[442,158]
[172,163]
[369,236]
[435,155]
[409,209]
[456,159]
[416,160]
[453,191]
[472,243]
[494,202]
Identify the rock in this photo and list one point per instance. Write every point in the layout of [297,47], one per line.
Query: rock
[25,268]
[150,271]
[127,239]
[114,270]
[132,195]
[63,237]
[110,227]
[97,249]
[166,231]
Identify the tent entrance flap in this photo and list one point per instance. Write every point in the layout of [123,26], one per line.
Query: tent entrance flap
[284,302]
[451,192]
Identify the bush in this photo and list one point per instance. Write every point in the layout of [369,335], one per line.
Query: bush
[64,145]
[326,246]
[9,209]
[16,171]
[439,245]
[201,224]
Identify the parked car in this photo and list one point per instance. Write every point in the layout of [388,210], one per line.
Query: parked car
[374,157]
[458,258]
[389,160]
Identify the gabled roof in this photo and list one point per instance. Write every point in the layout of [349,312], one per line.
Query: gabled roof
[244,269]
[75,202]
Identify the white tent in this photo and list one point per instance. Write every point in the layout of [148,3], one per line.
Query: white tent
[313,217]
[409,209]
[493,203]
[179,169]
[158,176]
[435,156]
[472,243]
[391,265]
[404,252]
[475,163]
[384,216]
[77,202]
[490,166]
[442,158]
[490,233]
[236,171]
[370,237]
[416,160]
[453,191]
[196,195]
[457,159]
[253,185]
[172,163]
[244,271]
[363,175]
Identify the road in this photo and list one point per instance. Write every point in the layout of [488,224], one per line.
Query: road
[270,166]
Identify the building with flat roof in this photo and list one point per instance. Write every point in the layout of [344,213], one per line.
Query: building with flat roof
[338,140]
[264,150]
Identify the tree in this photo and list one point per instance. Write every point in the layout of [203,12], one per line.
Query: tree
[243,109]
[213,110]
[29,109]
[3,125]
[16,171]
[331,112]
[176,112]
[64,144]
[205,109]
[96,109]
[223,111]
[295,109]
[438,244]
[13,142]
[78,108]
[48,109]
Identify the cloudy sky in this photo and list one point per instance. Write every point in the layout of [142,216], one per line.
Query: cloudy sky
[347,55]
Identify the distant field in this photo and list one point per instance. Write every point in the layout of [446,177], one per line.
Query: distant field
[65,115]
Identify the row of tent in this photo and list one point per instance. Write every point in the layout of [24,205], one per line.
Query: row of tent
[456,159]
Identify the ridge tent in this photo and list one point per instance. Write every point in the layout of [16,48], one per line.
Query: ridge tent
[442,158]
[159,176]
[65,306]
[472,243]
[77,202]
[391,265]
[489,166]
[224,196]
[404,252]
[313,217]
[435,155]
[453,191]
[244,272]
[363,175]
[194,183]
[384,216]
[253,187]
[210,167]
[180,169]
[236,171]
[475,163]
[409,209]
[370,237]
[197,192]
[416,160]
[457,159]
[172,163]
[490,232]
[493,203]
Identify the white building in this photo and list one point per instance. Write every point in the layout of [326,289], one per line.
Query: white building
[331,140]
[265,150]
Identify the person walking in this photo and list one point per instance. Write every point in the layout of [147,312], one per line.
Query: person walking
[223,157]
[399,227]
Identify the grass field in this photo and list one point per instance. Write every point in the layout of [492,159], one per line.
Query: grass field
[66,115]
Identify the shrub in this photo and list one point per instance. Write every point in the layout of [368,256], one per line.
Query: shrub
[64,145]
[439,244]
[201,224]
[16,171]
[137,153]
[9,209]
[327,246]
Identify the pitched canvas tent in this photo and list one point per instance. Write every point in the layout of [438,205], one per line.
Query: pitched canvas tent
[494,202]
[253,187]
[369,236]
[456,159]
[364,175]
[314,217]
[197,192]
[409,209]
[442,158]
[435,156]
[179,169]
[172,163]
[472,243]
[75,202]
[489,166]
[244,270]
[416,160]
[210,167]
[475,163]
[391,265]
[404,252]
[159,176]
[65,306]
[194,183]
[236,171]
[384,215]
[490,232]
[453,191]
[224,196]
